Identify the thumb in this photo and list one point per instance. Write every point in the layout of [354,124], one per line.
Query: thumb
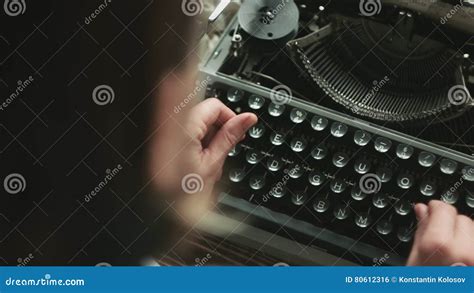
[227,137]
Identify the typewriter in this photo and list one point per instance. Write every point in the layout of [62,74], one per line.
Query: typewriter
[365,109]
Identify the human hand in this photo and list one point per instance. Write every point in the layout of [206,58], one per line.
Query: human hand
[190,148]
[443,237]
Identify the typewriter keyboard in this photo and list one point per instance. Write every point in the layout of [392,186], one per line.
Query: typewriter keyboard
[326,172]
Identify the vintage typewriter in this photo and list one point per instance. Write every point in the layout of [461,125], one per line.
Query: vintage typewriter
[365,109]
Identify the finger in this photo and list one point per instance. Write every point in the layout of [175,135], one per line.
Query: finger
[421,212]
[206,114]
[462,233]
[227,137]
[441,221]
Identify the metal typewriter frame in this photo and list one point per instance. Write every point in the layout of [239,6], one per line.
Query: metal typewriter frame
[251,236]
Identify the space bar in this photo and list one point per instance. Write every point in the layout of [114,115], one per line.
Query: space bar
[322,237]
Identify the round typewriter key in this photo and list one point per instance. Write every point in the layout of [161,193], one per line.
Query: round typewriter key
[380,200]
[342,212]
[338,185]
[357,194]
[362,166]
[234,95]
[257,131]
[278,191]
[405,234]
[274,164]
[362,138]
[405,151]
[321,205]
[256,102]
[403,207]
[298,145]
[298,198]
[277,138]
[384,227]
[257,182]
[468,173]
[450,197]
[382,144]
[428,188]
[235,151]
[319,152]
[340,160]
[405,181]
[363,220]
[384,174]
[316,178]
[426,159]
[298,116]
[276,110]
[253,157]
[236,175]
[339,129]
[470,200]
[448,166]
[319,123]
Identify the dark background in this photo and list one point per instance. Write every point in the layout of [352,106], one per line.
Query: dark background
[62,143]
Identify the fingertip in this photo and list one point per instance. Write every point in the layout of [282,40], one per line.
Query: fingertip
[250,119]
[421,211]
